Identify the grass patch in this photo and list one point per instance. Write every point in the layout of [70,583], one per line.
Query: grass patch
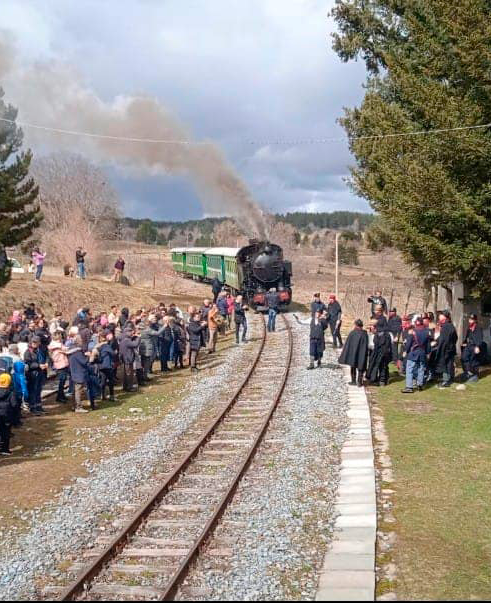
[440,447]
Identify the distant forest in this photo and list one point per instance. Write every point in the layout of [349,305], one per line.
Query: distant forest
[335,219]
[300,220]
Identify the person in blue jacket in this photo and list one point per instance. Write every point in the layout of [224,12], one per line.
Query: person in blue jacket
[79,371]
[417,349]
[106,355]
[19,382]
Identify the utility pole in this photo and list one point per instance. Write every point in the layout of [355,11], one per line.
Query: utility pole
[337,263]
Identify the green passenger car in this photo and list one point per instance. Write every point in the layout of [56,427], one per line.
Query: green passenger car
[222,263]
[178,260]
[189,261]
[215,267]
[206,264]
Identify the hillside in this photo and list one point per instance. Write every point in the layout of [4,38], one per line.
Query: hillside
[68,294]
[152,279]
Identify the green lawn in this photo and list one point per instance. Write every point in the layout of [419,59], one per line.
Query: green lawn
[440,447]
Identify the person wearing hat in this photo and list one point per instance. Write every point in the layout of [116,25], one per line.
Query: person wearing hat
[317,305]
[417,348]
[394,326]
[334,314]
[472,350]
[355,353]
[7,410]
[318,324]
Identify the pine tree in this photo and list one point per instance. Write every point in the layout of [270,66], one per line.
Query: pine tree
[19,213]
[428,68]
[147,233]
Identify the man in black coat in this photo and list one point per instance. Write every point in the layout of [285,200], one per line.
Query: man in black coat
[216,287]
[355,353]
[378,367]
[128,347]
[318,324]
[394,326]
[195,334]
[446,349]
[472,350]
[334,314]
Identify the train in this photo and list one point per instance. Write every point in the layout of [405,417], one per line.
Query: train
[250,271]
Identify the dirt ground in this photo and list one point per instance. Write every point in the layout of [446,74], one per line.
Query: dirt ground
[68,294]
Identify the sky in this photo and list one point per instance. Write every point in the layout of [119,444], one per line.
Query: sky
[243,74]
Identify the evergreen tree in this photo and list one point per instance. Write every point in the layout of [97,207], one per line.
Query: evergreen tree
[147,233]
[19,213]
[428,65]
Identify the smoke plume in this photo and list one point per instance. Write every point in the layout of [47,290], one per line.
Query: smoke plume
[51,94]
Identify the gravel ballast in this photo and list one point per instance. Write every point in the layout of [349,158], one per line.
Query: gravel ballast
[284,507]
[72,523]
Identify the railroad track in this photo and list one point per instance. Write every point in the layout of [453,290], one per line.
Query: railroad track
[151,556]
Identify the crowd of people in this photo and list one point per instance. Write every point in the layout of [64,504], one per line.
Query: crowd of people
[423,349]
[90,353]
[422,346]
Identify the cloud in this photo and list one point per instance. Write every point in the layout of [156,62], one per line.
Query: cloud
[234,71]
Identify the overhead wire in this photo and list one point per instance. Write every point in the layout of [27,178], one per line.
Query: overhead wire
[277,142]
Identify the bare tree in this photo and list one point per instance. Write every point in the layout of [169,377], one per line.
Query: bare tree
[79,206]
[283,234]
[228,233]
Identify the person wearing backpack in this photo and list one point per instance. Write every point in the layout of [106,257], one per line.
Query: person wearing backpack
[417,349]
[7,409]
[12,363]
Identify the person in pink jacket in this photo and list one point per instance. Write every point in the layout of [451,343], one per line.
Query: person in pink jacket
[230,308]
[58,353]
[38,261]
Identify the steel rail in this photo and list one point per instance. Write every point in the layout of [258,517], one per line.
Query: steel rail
[183,570]
[119,541]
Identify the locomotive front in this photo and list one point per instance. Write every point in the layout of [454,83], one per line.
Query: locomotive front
[264,268]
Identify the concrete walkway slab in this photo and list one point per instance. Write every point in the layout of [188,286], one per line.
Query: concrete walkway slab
[348,572]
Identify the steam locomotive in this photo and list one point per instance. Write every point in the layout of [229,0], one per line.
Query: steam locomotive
[250,271]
